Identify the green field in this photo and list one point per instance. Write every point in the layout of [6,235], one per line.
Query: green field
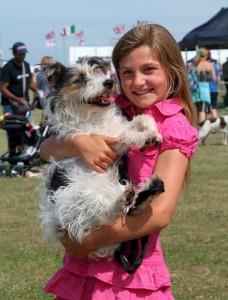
[195,244]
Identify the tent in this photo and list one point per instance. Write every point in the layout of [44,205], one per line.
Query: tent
[213,34]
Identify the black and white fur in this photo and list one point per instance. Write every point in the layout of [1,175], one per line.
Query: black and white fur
[75,197]
[218,125]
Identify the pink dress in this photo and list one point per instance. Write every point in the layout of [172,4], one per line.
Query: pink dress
[81,279]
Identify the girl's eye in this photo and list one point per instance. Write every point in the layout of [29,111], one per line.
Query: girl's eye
[149,70]
[126,73]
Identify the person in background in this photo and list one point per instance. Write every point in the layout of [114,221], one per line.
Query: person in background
[43,88]
[205,73]
[16,80]
[153,81]
[214,86]
[225,78]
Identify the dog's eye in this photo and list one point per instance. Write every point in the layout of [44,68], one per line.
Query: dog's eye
[99,69]
[81,79]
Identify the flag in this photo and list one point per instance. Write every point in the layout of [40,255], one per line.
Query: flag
[118,29]
[50,43]
[67,30]
[50,39]
[50,35]
[79,35]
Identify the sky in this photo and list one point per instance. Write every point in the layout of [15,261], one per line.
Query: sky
[29,21]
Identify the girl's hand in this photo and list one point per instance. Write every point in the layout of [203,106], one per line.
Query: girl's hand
[73,247]
[95,150]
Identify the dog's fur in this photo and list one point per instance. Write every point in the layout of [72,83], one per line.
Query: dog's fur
[218,125]
[75,197]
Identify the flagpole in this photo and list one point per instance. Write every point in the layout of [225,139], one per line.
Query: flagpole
[64,49]
[55,46]
[56,52]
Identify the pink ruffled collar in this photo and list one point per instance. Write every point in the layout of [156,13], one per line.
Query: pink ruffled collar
[168,107]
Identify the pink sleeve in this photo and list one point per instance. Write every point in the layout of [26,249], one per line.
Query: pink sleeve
[179,134]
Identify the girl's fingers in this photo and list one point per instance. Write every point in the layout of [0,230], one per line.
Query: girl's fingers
[104,165]
[107,160]
[98,169]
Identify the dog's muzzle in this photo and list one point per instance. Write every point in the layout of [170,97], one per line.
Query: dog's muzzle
[105,99]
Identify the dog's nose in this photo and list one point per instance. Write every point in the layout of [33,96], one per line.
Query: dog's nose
[108,83]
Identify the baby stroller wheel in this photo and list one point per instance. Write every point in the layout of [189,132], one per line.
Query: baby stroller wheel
[18,170]
[3,170]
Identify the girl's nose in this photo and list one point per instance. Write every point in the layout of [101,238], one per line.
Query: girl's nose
[139,79]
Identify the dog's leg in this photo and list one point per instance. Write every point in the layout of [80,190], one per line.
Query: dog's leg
[152,187]
[141,130]
[225,138]
[204,131]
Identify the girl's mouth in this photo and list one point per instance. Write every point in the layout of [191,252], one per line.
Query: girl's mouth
[141,93]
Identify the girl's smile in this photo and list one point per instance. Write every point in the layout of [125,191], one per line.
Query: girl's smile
[143,79]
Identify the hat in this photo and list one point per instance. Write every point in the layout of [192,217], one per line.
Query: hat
[19,47]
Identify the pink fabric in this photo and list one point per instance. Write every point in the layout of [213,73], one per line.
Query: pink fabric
[91,280]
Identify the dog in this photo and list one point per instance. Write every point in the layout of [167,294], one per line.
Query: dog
[218,125]
[75,197]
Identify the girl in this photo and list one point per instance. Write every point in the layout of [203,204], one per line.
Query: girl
[152,79]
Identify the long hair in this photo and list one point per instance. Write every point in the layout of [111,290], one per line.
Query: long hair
[167,51]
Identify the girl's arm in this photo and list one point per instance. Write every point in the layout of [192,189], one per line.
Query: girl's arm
[94,150]
[171,167]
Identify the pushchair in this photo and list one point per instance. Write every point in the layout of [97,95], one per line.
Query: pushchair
[24,139]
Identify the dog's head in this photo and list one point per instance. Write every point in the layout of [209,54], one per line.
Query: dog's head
[87,83]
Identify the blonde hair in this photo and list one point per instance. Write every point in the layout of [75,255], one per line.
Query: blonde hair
[46,60]
[202,54]
[167,51]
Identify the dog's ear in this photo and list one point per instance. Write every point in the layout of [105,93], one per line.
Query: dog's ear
[98,62]
[55,74]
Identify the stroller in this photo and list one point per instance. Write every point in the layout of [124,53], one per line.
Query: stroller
[24,139]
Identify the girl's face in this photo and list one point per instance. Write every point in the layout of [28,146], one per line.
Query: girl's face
[143,80]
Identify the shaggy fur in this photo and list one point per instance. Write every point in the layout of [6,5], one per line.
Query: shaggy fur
[75,197]
[219,125]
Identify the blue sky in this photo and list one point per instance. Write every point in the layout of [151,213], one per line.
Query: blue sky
[29,21]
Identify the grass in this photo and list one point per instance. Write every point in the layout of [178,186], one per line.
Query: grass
[195,244]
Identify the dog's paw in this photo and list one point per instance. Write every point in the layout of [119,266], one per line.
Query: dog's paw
[149,189]
[154,140]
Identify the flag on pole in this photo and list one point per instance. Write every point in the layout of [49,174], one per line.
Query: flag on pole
[50,39]
[67,30]
[118,29]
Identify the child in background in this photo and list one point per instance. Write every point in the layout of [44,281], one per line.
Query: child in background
[153,81]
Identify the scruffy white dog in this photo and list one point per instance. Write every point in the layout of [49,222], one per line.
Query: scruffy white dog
[218,125]
[75,197]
